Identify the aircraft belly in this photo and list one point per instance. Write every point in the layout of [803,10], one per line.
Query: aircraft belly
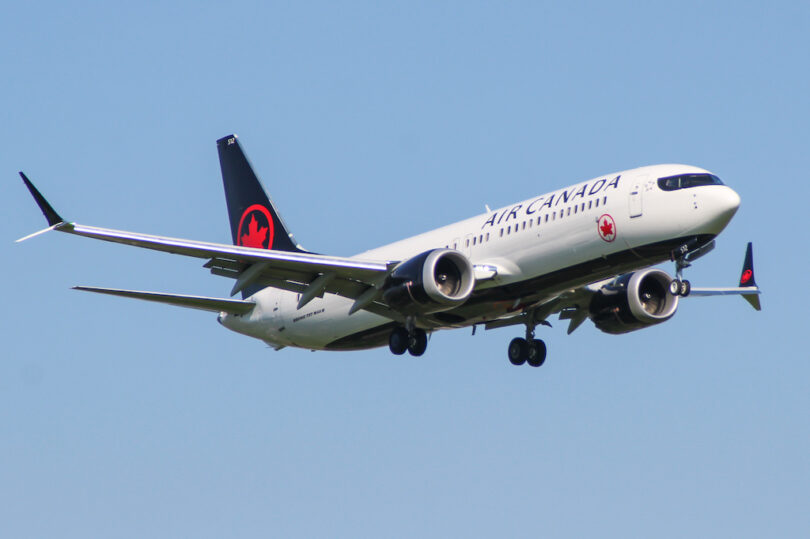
[323,321]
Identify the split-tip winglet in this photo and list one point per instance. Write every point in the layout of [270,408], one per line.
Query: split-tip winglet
[47,210]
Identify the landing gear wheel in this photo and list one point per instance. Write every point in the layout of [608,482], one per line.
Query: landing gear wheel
[685,288]
[518,351]
[398,341]
[536,353]
[675,287]
[417,342]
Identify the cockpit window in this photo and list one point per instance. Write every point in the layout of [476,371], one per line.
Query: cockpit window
[684,181]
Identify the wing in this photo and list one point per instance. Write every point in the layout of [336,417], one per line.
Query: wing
[233,306]
[573,305]
[309,274]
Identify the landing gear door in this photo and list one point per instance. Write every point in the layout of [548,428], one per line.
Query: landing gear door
[636,196]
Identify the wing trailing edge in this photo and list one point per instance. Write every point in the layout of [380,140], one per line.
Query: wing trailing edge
[232,306]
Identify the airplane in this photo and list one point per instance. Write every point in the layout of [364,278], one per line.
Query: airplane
[582,252]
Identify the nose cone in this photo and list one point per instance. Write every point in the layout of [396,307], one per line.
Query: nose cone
[731,200]
[721,205]
[728,202]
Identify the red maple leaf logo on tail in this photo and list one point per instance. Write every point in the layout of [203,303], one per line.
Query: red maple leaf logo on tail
[255,236]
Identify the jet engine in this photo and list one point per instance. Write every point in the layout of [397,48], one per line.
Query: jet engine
[633,301]
[434,281]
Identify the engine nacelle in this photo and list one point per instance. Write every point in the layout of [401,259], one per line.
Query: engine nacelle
[633,301]
[434,281]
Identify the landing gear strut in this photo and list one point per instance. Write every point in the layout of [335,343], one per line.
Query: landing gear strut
[414,341]
[679,286]
[528,350]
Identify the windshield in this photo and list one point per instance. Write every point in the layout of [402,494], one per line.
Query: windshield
[684,181]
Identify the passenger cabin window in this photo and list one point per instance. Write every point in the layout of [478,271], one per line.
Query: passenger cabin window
[685,181]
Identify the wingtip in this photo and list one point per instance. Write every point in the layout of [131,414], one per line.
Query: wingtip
[50,214]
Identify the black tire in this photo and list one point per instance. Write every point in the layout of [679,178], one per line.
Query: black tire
[518,351]
[675,287]
[685,288]
[417,342]
[398,341]
[537,353]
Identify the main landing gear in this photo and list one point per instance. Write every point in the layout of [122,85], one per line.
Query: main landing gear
[414,341]
[528,350]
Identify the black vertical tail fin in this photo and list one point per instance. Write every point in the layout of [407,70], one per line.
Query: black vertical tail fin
[747,279]
[747,275]
[255,222]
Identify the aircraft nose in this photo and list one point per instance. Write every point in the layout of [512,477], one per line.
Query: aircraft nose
[722,203]
[730,201]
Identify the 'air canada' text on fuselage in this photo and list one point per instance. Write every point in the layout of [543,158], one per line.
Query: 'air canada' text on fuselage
[553,200]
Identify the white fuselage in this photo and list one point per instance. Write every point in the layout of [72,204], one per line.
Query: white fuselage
[585,222]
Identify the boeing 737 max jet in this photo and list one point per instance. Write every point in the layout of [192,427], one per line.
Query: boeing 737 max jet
[582,252]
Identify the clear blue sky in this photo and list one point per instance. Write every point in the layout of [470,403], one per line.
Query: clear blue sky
[368,124]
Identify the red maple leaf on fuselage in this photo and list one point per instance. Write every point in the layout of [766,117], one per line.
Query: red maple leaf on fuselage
[255,236]
[607,228]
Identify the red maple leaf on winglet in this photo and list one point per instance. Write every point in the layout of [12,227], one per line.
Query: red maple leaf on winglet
[606,228]
[255,236]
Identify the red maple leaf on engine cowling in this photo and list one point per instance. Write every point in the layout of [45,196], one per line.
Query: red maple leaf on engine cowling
[607,228]
[255,236]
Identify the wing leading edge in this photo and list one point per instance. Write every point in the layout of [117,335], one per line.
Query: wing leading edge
[310,274]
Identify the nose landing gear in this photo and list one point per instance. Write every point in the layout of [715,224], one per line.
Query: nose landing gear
[679,286]
[683,256]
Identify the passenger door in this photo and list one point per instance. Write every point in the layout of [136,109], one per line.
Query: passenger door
[636,196]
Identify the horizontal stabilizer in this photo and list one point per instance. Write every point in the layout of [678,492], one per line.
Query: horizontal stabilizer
[728,291]
[232,306]
[748,288]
